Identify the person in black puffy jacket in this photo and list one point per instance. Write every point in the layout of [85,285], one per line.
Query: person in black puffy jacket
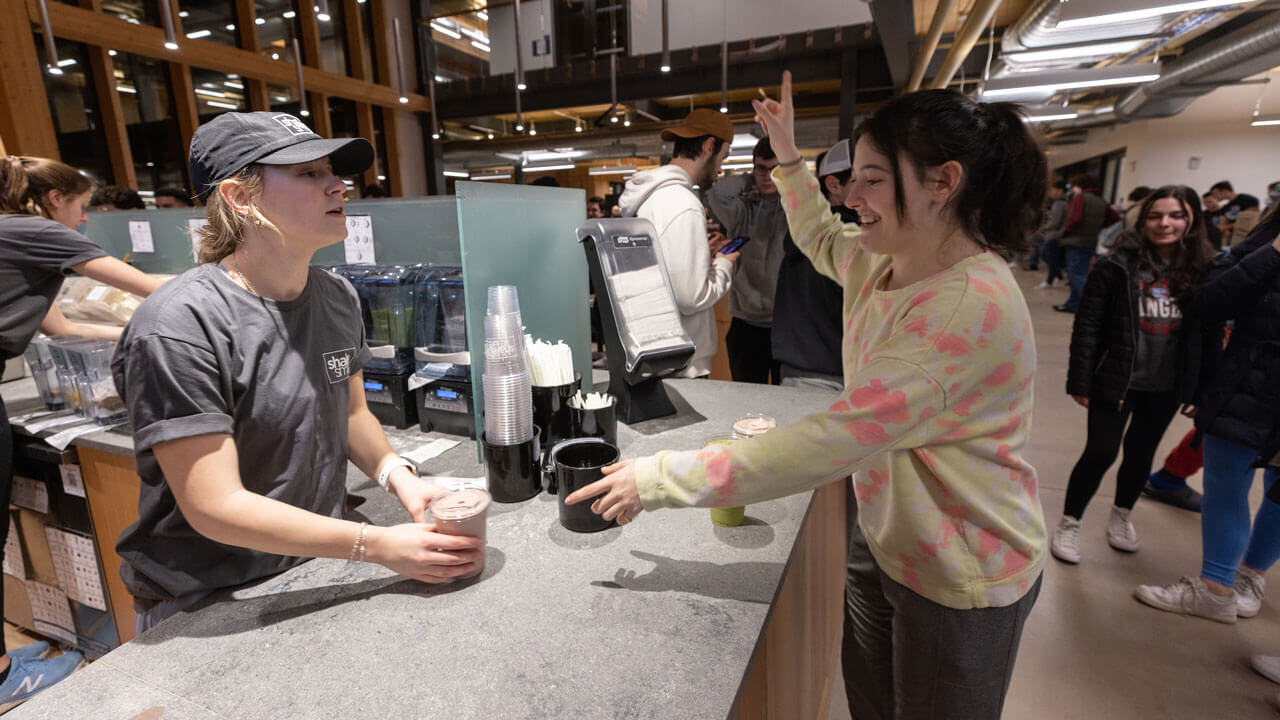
[1134,355]
[1239,419]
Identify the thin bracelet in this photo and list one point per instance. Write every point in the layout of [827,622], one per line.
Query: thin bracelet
[792,163]
[357,547]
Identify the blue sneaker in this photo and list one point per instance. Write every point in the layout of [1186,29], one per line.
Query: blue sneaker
[28,676]
[34,651]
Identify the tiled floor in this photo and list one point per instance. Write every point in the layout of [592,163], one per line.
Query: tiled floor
[1090,651]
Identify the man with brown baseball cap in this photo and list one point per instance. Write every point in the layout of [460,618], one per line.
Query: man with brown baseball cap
[665,197]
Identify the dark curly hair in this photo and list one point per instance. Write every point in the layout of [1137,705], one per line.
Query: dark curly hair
[1005,173]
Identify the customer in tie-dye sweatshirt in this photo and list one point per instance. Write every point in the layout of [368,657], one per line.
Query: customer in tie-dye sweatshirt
[939,358]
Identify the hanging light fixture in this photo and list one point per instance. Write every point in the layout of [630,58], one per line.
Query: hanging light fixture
[302,87]
[724,59]
[322,10]
[515,13]
[666,41]
[166,17]
[50,49]
[399,60]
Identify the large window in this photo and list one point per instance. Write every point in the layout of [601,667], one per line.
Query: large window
[217,93]
[277,27]
[77,121]
[333,37]
[212,20]
[159,158]
[139,12]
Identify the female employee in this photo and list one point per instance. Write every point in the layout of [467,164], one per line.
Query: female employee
[938,366]
[41,203]
[1134,357]
[242,379]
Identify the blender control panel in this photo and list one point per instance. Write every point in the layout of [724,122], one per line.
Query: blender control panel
[377,392]
[448,399]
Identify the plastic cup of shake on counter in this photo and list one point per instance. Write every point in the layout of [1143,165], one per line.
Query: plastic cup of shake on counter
[725,517]
[463,512]
[744,428]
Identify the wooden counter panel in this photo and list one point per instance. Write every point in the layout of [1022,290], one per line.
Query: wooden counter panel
[794,667]
[112,486]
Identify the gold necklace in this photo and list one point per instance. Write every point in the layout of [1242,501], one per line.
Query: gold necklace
[247,285]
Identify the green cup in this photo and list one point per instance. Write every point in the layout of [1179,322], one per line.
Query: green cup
[729,517]
[725,517]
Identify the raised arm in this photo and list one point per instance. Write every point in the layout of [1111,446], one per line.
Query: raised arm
[819,233]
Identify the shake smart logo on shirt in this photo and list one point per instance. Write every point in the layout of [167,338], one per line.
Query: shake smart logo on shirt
[337,364]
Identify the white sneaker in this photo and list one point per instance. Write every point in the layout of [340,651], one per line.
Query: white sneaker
[1268,666]
[1120,531]
[1250,585]
[1064,545]
[1188,596]
[1044,285]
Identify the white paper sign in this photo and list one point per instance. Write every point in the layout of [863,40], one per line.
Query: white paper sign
[30,494]
[359,242]
[140,236]
[51,612]
[77,566]
[193,228]
[72,480]
[13,564]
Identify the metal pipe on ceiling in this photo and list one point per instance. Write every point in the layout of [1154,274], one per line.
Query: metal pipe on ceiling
[972,29]
[1252,49]
[940,16]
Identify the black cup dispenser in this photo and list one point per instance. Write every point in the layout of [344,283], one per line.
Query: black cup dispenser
[644,339]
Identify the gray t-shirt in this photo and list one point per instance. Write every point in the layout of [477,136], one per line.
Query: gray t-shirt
[1155,367]
[35,254]
[204,356]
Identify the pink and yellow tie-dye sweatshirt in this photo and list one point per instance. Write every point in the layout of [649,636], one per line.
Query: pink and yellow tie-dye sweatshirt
[932,423]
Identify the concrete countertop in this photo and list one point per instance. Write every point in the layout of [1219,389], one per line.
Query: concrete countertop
[656,620]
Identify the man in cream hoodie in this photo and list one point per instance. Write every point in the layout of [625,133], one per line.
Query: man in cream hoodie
[665,197]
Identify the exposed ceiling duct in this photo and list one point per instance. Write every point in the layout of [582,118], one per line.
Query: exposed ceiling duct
[1250,50]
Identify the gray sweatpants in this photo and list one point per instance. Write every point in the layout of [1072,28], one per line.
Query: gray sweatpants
[909,658]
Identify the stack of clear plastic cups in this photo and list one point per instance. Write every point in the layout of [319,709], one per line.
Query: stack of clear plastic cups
[503,300]
[508,399]
[510,439]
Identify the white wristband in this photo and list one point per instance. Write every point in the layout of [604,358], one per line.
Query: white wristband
[392,464]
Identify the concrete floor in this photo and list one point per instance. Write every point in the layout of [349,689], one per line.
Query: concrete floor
[1090,651]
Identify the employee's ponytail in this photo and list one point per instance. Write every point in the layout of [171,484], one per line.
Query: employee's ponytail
[25,184]
[1005,172]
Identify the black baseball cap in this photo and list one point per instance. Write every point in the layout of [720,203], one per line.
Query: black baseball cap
[233,141]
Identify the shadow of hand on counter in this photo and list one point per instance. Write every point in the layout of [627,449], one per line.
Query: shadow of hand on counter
[222,615]
[730,581]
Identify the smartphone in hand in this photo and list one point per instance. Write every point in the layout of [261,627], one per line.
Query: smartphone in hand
[734,245]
